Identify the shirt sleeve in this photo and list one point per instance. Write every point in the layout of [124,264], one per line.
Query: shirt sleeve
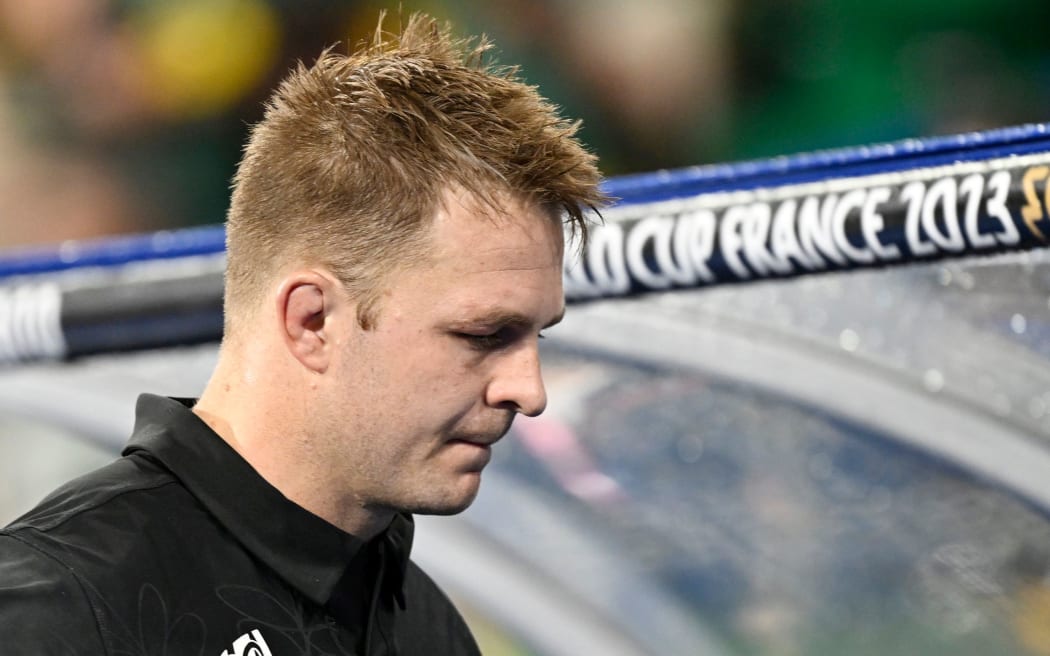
[43,609]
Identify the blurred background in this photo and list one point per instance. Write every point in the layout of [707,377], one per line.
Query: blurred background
[129,115]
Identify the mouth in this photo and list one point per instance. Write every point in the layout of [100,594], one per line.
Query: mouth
[481,437]
[475,447]
[471,454]
[477,443]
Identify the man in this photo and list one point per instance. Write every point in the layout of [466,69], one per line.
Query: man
[394,252]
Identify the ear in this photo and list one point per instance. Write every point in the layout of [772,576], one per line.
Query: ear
[305,302]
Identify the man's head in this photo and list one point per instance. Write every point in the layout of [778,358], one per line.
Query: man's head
[395,244]
[350,163]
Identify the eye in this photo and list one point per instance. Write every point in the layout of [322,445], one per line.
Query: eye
[495,340]
[486,341]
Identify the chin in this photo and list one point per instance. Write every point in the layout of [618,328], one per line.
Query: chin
[453,502]
[443,511]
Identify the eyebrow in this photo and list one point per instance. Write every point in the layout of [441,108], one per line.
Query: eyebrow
[510,318]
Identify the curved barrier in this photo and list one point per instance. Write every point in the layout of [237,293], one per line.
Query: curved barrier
[873,206]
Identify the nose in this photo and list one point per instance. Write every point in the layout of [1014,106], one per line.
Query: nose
[517,383]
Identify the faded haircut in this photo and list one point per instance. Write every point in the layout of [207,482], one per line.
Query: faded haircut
[353,155]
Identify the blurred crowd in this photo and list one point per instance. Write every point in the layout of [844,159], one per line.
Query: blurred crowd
[129,115]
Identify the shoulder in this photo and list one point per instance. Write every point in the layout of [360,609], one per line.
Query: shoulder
[43,606]
[85,496]
[58,559]
[74,569]
[115,521]
[104,509]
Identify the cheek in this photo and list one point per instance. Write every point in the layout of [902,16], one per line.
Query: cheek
[410,372]
[446,392]
[435,384]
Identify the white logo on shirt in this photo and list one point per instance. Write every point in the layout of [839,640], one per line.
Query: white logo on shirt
[249,644]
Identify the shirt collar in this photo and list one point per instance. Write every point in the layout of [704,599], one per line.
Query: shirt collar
[303,549]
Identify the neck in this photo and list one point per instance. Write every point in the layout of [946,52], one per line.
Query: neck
[267,425]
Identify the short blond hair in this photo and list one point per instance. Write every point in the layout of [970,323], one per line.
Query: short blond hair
[349,163]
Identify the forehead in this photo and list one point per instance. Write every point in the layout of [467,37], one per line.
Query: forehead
[479,262]
[470,236]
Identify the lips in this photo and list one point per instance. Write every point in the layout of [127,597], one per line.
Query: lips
[479,442]
[470,455]
[484,438]
[474,447]
[480,445]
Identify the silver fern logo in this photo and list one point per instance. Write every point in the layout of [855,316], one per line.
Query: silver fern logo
[249,644]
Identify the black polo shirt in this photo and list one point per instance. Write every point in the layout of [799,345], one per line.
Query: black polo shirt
[181,548]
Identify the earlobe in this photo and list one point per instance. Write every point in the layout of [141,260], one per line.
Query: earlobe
[304,305]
